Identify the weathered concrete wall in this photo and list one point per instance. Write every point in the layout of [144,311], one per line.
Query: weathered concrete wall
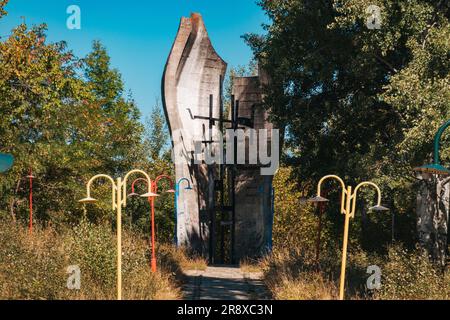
[253,190]
[192,73]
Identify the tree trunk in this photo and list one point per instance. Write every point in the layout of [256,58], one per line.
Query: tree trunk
[432,216]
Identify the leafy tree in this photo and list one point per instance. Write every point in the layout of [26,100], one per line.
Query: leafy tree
[156,134]
[61,125]
[44,107]
[359,102]
[3,3]
[122,130]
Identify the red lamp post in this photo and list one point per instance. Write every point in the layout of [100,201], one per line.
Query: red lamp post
[152,204]
[133,193]
[151,198]
[31,177]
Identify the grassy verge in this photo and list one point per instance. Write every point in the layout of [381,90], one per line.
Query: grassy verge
[405,275]
[36,266]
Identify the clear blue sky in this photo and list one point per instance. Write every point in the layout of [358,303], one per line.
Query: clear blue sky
[139,33]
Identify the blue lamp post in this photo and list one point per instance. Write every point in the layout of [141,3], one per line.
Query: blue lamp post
[6,162]
[261,190]
[177,193]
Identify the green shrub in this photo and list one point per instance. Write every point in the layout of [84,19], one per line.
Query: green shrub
[410,275]
[93,249]
[31,266]
[34,266]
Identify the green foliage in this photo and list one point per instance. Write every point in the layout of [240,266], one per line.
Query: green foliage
[295,274]
[92,248]
[294,271]
[3,3]
[295,221]
[29,269]
[122,137]
[358,102]
[68,119]
[410,275]
[157,134]
[34,266]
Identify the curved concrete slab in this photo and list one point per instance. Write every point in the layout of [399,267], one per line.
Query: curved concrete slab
[192,73]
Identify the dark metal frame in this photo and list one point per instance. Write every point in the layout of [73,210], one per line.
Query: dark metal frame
[226,171]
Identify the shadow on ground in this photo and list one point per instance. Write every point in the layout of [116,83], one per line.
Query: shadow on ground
[223,283]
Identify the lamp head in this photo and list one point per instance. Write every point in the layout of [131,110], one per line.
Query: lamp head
[378,208]
[133,194]
[88,200]
[149,195]
[6,162]
[433,169]
[188,188]
[170,191]
[317,199]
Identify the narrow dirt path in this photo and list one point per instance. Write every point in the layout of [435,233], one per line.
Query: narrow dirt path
[223,283]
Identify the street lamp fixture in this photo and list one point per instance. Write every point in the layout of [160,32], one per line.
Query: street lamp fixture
[150,195]
[119,200]
[348,206]
[436,167]
[177,194]
[153,192]
[318,199]
[378,208]
[30,201]
[88,200]
[133,186]
[6,161]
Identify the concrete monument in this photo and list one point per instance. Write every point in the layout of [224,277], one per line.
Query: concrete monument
[192,99]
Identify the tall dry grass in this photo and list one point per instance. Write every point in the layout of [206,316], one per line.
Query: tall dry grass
[293,274]
[34,266]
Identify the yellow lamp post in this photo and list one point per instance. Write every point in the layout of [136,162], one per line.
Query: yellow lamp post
[119,200]
[348,205]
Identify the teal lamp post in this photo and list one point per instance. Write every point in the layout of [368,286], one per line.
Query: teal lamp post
[436,167]
[177,193]
[6,162]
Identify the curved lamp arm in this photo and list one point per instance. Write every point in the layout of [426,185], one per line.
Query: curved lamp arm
[103,176]
[177,186]
[366,183]
[437,139]
[159,178]
[125,179]
[137,180]
[344,191]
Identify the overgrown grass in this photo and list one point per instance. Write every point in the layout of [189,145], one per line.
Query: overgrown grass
[248,265]
[34,266]
[405,275]
[293,271]
[410,275]
[185,259]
